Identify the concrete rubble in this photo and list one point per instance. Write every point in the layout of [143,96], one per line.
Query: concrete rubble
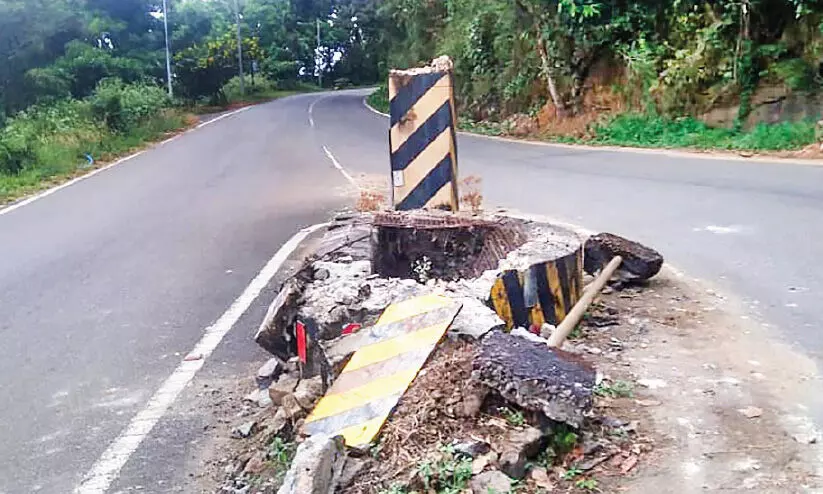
[640,263]
[556,383]
[354,276]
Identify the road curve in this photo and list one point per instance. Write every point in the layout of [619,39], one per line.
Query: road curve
[749,228]
[106,284]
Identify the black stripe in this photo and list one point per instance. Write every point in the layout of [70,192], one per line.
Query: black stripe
[422,137]
[431,184]
[410,94]
[563,274]
[514,292]
[544,294]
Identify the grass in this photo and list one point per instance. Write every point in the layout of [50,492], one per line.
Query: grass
[280,455]
[379,99]
[654,131]
[617,389]
[513,417]
[58,160]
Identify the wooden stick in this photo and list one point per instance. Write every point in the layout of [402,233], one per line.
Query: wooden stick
[576,314]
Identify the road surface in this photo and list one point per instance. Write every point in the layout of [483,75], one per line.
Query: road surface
[107,284]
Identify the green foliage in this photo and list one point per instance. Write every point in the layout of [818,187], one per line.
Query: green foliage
[123,107]
[379,99]
[48,141]
[587,485]
[449,475]
[280,455]
[513,417]
[656,131]
[616,389]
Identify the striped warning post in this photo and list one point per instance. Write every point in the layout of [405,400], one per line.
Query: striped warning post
[423,140]
[372,382]
[544,293]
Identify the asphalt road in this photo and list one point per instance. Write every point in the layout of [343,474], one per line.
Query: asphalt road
[106,284]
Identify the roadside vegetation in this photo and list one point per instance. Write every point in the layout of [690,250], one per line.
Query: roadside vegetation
[724,74]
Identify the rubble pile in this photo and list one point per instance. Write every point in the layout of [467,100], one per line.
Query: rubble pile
[488,406]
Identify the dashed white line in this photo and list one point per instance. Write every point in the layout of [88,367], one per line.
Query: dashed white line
[108,466]
[339,166]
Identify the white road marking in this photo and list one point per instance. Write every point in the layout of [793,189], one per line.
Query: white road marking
[221,117]
[372,109]
[311,108]
[339,167]
[73,181]
[720,230]
[108,466]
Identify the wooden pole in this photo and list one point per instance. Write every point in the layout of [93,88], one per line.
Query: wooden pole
[573,318]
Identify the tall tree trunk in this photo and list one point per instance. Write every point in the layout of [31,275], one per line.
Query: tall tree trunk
[559,104]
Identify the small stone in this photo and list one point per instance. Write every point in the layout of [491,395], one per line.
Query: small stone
[652,383]
[806,437]
[492,481]
[481,462]
[528,335]
[547,330]
[473,402]
[518,447]
[629,464]
[541,479]
[284,386]
[472,449]
[268,372]
[292,407]
[751,412]
[243,431]
[256,464]
[321,274]
[308,392]
[594,350]
[648,403]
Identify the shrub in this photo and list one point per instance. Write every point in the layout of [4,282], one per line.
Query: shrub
[123,107]
[379,100]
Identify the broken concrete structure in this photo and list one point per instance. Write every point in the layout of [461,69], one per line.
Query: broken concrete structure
[639,262]
[317,465]
[556,383]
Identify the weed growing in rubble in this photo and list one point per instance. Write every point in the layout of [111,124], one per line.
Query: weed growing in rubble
[571,473]
[587,485]
[446,476]
[369,201]
[394,489]
[280,455]
[513,417]
[471,196]
[617,389]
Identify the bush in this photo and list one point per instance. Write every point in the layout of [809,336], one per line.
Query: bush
[379,100]
[641,130]
[123,107]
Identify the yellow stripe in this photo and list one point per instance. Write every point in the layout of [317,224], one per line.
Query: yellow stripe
[423,109]
[412,307]
[443,197]
[385,350]
[334,404]
[500,300]
[424,163]
[361,434]
[537,316]
[557,291]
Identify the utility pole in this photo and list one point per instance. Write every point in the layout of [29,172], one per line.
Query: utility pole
[168,48]
[320,55]
[239,47]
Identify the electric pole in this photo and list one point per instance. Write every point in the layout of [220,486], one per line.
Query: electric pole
[239,47]
[320,56]
[168,49]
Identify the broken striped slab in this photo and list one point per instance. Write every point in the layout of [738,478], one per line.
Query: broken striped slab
[370,385]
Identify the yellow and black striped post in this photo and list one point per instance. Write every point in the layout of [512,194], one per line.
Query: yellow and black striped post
[543,293]
[423,139]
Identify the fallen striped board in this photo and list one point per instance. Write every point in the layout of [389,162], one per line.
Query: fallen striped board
[378,374]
